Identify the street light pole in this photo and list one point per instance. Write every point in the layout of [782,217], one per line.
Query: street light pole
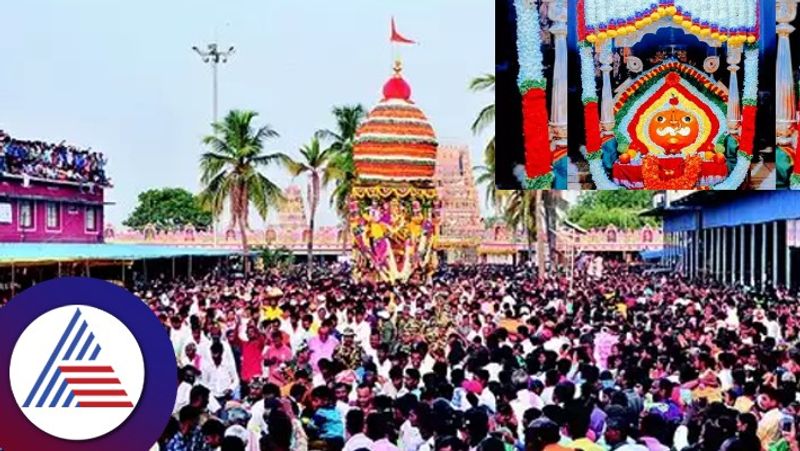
[214,56]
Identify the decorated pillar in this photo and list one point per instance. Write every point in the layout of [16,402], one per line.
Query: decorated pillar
[786,10]
[557,12]
[734,115]
[606,101]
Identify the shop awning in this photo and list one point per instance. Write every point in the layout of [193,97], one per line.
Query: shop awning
[39,253]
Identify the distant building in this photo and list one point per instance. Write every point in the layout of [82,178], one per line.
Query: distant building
[461,228]
[61,202]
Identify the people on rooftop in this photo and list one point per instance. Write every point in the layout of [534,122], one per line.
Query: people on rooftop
[62,162]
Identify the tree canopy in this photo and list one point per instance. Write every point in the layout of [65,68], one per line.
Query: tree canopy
[597,209]
[168,208]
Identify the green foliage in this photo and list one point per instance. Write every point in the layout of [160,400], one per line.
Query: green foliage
[341,167]
[280,258]
[168,208]
[597,209]
[484,120]
[230,171]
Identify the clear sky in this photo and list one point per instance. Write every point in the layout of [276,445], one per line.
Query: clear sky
[120,76]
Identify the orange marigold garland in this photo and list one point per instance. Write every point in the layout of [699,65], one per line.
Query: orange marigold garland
[652,177]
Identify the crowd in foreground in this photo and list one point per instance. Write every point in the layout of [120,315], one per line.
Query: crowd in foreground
[51,161]
[480,358]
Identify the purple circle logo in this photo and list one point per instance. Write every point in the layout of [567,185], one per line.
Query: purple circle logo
[89,368]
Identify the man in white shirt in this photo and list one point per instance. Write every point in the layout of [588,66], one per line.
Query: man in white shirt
[221,379]
[178,334]
[361,327]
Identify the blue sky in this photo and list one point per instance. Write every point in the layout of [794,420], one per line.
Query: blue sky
[121,77]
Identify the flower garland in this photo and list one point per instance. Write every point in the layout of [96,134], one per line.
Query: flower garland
[600,177]
[383,192]
[749,100]
[653,181]
[735,21]
[532,85]
[737,175]
[591,111]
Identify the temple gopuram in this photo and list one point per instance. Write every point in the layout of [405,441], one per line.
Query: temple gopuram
[291,230]
[291,218]
[461,226]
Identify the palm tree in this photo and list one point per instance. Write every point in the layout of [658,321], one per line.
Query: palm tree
[316,163]
[520,214]
[230,172]
[486,115]
[342,167]
[486,174]
[485,119]
[530,212]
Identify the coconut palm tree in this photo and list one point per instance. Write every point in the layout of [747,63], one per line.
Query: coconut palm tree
[342,167]
[530,212]
[316,162]
[486,115]
[486,174]
[520,214]
[230,172]
[348,119]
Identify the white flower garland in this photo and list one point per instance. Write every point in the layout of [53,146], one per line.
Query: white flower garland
[590,13]
[599,176]
[529,42]
[737,175]
[724,14]
[750,91]
[588,82]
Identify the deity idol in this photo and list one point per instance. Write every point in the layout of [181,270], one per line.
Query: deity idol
[674,129]
[379,221]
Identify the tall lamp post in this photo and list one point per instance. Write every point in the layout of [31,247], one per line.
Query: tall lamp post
[214,56]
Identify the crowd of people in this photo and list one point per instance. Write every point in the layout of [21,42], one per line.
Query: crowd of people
[479,358]
[51,161]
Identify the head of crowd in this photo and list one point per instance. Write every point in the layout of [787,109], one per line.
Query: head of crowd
[50,161]
[479,358]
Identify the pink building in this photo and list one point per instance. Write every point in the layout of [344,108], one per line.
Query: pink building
[38,210]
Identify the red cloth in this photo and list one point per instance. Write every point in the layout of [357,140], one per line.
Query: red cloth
[592,119]
[748,128]
[536,133]
[251,358]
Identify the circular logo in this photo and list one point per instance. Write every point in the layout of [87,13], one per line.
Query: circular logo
[89,368]
[77,372]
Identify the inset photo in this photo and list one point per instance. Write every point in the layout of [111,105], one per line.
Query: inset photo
[532,94]
[672,94]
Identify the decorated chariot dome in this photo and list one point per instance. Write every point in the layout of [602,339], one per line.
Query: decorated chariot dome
[396,143]
[671,125]
[393,213]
